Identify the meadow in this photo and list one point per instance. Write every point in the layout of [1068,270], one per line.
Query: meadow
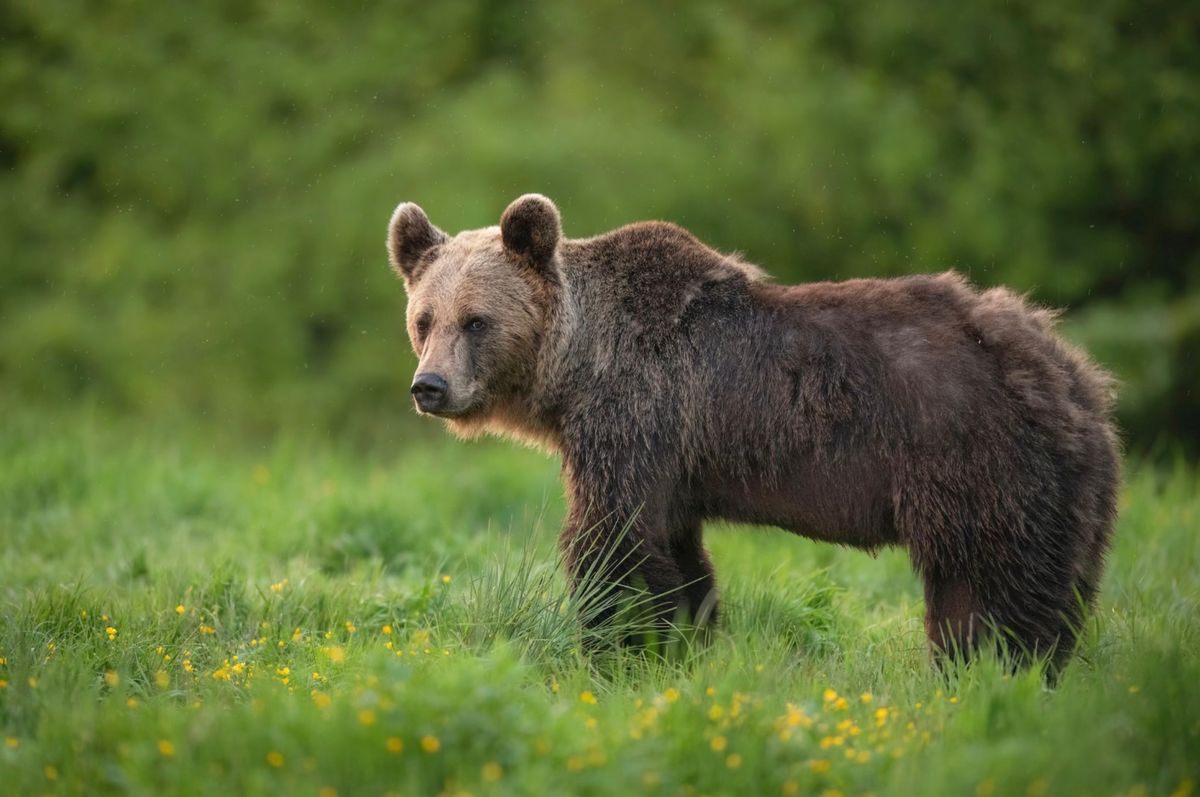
[187,611]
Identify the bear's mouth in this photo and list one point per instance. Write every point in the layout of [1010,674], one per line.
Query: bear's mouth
[445,413]
[449,412]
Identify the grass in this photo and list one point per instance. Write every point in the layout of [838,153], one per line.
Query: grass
[187,613]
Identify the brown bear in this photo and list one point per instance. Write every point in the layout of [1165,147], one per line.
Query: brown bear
[678,384]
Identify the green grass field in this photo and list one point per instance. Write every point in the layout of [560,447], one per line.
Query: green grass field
[188,613]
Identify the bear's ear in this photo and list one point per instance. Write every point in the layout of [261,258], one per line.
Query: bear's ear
[530,229]
[410,235]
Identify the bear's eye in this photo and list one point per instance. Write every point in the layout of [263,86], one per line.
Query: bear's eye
[476,325]
[422,325]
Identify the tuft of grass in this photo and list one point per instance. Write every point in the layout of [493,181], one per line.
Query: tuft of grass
[184,615]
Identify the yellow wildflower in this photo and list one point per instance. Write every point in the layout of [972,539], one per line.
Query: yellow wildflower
[166,747]
[718,743]
[734,761]
[830,695]
[492,772]
[387,629]
[430,744]
[111,631]
[180,609]
[12,742]
[275,759]
[366,717]
[819,765]
[394,744]
[587,697]
[796,716]
[50,772]
[671,695]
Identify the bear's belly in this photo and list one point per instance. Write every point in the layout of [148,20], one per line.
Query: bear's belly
[847,502]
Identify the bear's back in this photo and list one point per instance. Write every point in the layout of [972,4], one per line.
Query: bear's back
[650,272]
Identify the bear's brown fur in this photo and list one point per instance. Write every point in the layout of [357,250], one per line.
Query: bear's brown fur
[679,385]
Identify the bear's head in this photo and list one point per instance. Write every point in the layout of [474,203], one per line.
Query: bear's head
[478,308]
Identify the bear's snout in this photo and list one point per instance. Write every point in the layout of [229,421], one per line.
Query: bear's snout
[430,391]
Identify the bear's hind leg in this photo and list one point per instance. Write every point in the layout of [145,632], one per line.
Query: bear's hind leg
[954,618]
[1023,622]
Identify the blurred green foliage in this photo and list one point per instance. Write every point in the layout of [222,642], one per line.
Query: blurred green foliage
[193,197]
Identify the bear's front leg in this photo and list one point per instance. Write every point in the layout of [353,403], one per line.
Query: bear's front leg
[622,576]
[700,597]
[631,548]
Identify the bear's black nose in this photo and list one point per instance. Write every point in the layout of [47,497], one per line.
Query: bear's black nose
[430,392]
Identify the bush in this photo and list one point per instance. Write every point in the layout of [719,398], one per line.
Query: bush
[193,205]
